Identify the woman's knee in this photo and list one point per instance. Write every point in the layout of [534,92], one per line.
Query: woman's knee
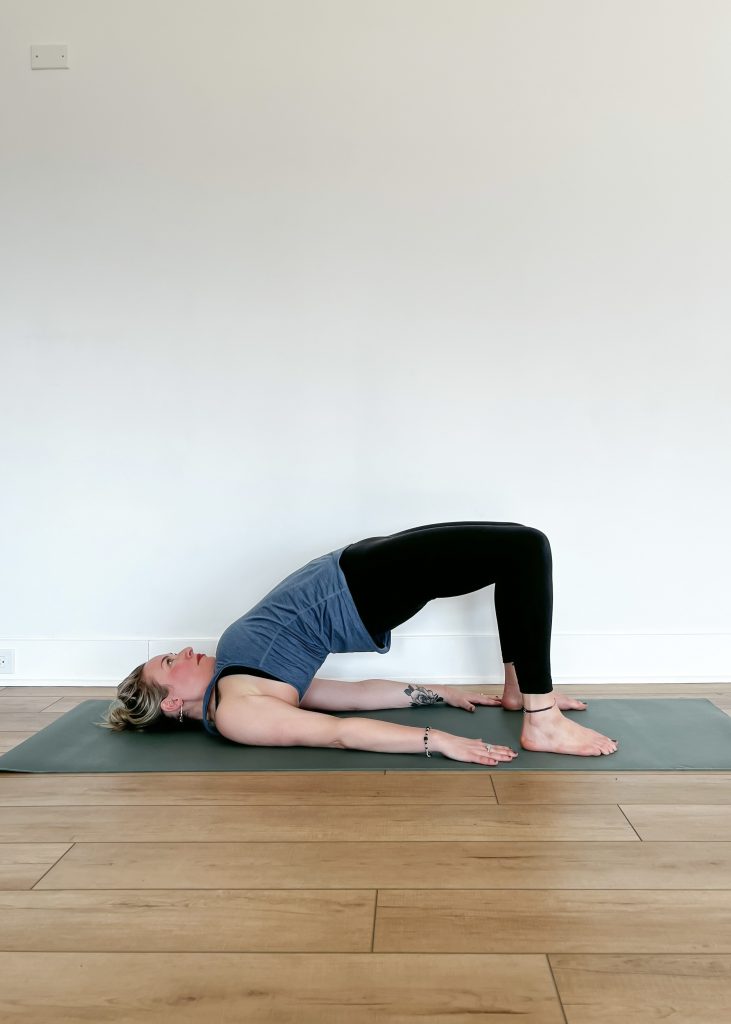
[537,541]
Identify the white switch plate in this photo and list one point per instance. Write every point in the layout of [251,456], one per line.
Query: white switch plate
[46,56]
[7,662]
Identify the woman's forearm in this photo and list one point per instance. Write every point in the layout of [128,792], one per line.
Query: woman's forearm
[390,693]
[386,737]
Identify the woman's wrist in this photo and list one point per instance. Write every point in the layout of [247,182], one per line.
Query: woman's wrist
[435,737]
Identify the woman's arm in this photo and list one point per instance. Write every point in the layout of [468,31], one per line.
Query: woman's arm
[271,722]
[367,695]
[392,693]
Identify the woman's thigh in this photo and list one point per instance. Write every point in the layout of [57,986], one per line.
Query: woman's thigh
[391,578]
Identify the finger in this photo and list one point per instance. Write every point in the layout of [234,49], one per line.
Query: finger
[498,749]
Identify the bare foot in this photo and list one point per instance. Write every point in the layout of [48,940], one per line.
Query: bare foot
[512,698]
[551,731]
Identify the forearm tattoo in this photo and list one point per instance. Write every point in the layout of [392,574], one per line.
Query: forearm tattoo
[420,695]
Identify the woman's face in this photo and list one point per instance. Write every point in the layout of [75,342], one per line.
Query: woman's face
[185,674]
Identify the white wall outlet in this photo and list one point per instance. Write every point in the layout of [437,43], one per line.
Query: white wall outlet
[46,56]
[7,662]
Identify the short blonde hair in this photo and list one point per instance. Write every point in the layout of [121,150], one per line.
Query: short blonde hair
[137,704]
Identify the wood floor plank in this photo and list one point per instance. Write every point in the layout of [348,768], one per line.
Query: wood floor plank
[64,704]
[211,920]
[698,822]
[21,721]
[31,705]
[372,865]
[23,864]
[8,740]
[87,692]
[569,921]
[135,789]
[271,988]
[624,787]
[290,822]
[686,989]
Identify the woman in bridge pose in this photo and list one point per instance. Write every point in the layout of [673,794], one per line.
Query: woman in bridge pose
[261,687]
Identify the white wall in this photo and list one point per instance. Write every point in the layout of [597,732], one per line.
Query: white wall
[280,275]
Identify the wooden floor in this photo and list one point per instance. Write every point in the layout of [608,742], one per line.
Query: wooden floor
[587,897]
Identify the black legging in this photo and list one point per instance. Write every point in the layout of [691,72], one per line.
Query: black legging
[392,578]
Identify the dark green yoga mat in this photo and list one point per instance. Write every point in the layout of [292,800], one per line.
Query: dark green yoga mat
[653,735]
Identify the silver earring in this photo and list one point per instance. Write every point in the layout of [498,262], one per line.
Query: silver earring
[181,714]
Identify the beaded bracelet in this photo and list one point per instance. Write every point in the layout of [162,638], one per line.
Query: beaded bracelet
[426,741]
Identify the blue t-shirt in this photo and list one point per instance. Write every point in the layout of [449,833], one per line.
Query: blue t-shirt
[291,631]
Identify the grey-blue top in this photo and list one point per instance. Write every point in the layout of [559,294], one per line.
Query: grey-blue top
[291,631]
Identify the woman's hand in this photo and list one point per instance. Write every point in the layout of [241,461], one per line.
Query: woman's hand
[467,699]
[466,748]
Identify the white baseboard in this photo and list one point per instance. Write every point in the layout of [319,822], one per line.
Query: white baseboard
[584,658]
